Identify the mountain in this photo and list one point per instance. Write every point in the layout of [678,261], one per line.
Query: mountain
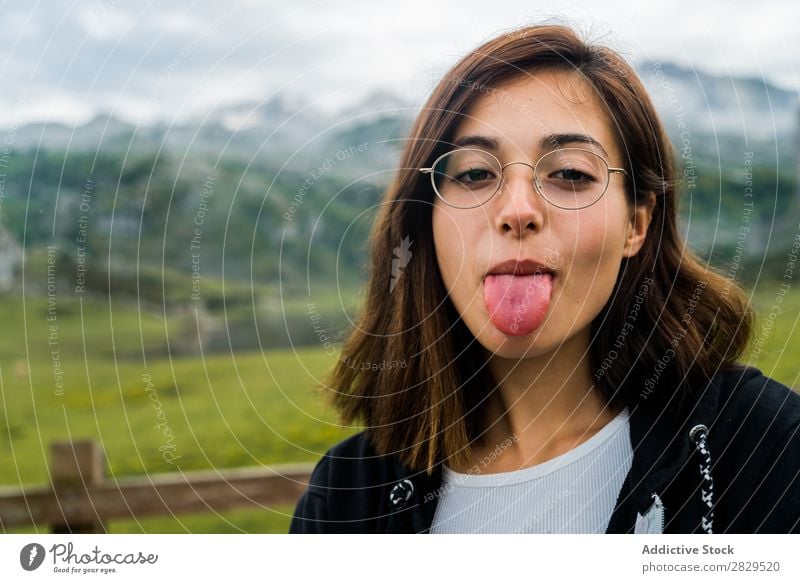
[276,197]
[721,118]
[288,154]
[715,104]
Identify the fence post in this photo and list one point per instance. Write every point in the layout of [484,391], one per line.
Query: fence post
[76,466]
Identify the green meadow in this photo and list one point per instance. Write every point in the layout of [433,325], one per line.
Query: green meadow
[95,373]
[88,378]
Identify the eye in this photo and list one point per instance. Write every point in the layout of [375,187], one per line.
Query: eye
[572,175]
[474,175]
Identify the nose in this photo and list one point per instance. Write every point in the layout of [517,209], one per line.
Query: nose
[520,208]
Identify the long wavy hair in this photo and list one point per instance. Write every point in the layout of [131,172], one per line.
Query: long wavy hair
[412,373]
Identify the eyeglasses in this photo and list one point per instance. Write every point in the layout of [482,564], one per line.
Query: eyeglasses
[568,178]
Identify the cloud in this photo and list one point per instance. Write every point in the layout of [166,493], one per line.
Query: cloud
[114,54]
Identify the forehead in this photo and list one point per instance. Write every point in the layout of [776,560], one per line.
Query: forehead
[520,112]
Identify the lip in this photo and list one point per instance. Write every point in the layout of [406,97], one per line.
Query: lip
[520,267]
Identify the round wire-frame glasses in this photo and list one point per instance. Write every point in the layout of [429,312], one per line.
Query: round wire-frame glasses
[568,178]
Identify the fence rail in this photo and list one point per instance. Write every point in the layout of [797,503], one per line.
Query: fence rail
[82,499]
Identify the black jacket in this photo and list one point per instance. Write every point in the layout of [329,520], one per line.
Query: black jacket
[731,465]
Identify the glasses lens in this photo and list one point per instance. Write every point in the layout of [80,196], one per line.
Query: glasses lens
[572,178]
[466,178]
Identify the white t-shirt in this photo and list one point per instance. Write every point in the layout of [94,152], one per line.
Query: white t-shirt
[572,493]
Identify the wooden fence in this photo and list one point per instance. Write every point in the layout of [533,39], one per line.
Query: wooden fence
[81,499]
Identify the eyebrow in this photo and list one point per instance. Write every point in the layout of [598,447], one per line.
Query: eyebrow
[547,142]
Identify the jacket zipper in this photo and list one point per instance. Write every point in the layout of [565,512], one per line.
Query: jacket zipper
[659,504]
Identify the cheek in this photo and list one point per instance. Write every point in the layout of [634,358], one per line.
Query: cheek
[596,258]
[599,234]
[448,239]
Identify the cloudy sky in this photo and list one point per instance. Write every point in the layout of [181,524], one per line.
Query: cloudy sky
[175,59]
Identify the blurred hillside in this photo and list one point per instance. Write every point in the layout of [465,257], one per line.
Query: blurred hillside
[253,212]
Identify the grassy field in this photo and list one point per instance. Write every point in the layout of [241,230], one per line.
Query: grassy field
[775,348]
[223,410]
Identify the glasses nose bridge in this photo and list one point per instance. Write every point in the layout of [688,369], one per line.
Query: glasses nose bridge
[532,178]
[528,164]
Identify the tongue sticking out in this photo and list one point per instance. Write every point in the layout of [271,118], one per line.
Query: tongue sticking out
[517,304]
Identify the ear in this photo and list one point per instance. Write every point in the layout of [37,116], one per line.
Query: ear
[637,227]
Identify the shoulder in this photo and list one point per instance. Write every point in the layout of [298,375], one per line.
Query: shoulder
[347,489]
[746,395]
[756,441]
[755,419]
[351,464]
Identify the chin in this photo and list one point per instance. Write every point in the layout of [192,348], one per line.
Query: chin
[506,346]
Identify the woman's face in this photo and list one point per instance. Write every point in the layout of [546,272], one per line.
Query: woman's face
[583,247]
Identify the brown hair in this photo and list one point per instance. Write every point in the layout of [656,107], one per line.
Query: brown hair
[411,371]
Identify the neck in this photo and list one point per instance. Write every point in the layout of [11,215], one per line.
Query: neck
[546,404]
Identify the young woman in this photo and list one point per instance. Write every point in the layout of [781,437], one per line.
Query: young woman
[544,352]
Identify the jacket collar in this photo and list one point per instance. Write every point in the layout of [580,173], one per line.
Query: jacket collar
[661,446]
[417,514]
